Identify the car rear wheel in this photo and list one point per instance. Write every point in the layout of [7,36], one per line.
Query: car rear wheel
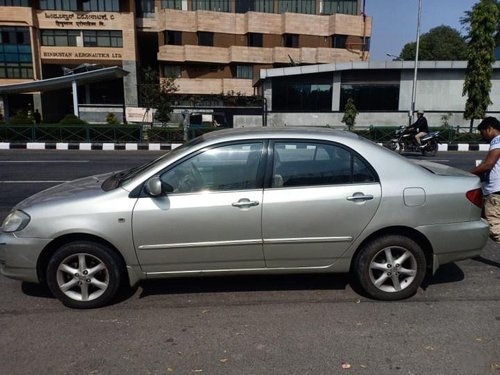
[84,275]
[391,267]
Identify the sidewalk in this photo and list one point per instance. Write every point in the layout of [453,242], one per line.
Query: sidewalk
[88,146]
[171,146]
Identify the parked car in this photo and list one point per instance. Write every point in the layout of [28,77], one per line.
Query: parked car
[249,201]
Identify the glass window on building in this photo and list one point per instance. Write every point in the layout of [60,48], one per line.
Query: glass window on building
[244,71]
[14,3]
[145,8]
[339,41]
[297,6]
[171,71]
[15,53]
[301,94]
[371,91]
[291,40]
[205,38]
[339,6]
[171,4]
[101,6]
[254,40]
[59,37]
[213,5]
[102,38]
[58,5]
[264,6]
[173,37]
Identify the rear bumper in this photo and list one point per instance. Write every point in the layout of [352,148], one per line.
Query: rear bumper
[19,256]
[457,241]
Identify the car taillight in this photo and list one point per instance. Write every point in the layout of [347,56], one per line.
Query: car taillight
[475,196]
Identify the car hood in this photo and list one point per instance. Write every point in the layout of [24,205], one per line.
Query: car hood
[86,187]
[441,169]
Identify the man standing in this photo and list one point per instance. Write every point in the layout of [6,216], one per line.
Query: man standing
[37,116]
[420,126]
[489,171]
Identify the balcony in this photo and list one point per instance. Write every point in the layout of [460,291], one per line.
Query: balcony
[255,55]
[210,86]
[266,23]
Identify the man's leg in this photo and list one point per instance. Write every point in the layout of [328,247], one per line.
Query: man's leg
[492,214]
[418,136]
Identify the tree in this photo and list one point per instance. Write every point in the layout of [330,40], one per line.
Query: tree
[155,93]
[350,113]
[466,20]
[440,43]
[480,56]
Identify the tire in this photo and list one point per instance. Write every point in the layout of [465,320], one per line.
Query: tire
[391,145]
[431,149]
[380,275]
[84,275]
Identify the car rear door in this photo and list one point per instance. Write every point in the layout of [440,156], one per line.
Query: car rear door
[321,197]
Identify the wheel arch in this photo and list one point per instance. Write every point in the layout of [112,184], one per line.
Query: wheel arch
[52,247]
[411,233]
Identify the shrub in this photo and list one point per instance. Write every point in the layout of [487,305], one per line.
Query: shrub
[71,119]
[20,118]
[111,119]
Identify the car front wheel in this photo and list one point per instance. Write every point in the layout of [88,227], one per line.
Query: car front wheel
[84,275]
[390,267]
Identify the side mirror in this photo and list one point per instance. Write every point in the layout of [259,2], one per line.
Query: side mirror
[153,187]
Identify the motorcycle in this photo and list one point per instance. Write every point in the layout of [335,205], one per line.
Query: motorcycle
[404,141]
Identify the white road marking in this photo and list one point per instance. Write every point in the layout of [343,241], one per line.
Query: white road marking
[44,161]
[33,182]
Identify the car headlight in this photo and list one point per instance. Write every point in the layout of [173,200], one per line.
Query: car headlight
[15,221]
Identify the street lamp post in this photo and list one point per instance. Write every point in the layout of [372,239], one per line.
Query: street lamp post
[414,88]
[394,57]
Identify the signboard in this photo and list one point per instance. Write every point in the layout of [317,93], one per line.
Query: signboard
[138,114]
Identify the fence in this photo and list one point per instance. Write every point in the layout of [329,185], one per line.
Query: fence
[456,134]
[140,133]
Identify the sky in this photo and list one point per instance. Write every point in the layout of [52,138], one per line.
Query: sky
[394,22]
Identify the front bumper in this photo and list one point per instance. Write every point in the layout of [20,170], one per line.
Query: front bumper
[456,241]
[19,256]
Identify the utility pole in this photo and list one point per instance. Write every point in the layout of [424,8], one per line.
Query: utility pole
[414,88]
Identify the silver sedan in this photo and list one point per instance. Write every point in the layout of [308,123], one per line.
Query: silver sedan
[249,201]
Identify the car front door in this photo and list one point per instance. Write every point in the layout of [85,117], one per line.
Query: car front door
[210,219]
[321,197]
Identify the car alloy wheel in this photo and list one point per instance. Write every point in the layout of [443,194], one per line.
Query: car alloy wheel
[84,274]
[393,269]
[390,267]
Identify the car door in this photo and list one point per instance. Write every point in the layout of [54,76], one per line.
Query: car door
[321,197]
[210,219]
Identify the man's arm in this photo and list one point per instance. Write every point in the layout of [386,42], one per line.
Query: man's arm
[488,163]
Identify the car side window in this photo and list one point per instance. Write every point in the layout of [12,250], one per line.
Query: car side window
[229,167]
[312,164]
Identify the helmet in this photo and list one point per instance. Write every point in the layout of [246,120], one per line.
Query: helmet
[420,111]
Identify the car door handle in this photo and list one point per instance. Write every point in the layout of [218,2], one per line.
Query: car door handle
[245,203]
[356,197]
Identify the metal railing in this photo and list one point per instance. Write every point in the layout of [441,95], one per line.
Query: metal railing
[71,133]
[144,133]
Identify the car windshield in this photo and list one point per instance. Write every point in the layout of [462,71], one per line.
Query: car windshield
[121,178]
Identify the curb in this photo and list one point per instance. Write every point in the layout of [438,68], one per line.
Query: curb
[89,146]
[171,146]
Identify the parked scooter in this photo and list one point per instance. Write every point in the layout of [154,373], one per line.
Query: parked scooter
[404,141]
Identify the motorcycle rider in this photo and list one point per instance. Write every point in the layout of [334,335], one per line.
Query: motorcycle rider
[420,126]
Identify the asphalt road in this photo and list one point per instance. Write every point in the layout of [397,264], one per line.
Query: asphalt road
[245,325]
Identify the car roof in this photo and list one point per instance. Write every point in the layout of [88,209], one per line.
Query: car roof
[277,132]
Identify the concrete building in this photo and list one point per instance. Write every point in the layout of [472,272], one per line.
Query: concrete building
[382,91]
[210,47]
